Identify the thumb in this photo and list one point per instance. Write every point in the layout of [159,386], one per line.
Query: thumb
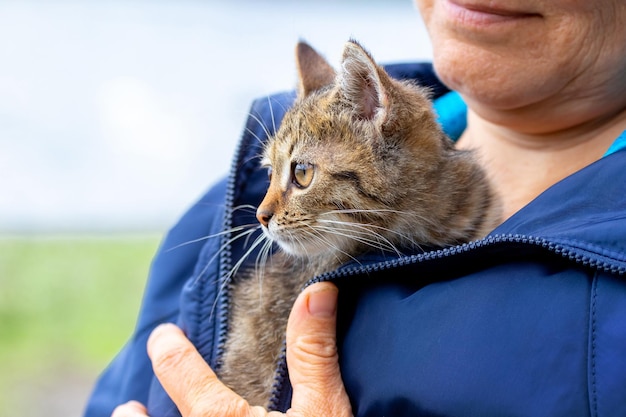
[312,356]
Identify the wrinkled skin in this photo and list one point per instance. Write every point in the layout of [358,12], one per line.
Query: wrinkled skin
[542,80]
[311,356]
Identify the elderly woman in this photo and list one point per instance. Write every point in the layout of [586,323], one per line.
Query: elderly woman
[529,321]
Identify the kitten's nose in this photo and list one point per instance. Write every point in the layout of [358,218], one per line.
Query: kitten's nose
[264,216]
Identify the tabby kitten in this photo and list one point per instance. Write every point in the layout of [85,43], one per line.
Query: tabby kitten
[358,164]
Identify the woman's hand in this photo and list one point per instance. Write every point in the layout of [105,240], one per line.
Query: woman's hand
[311,357]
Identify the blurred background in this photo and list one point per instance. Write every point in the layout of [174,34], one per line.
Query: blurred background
[114,117]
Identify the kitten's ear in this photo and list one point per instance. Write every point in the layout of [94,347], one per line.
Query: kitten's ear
[314,71]
[360,81]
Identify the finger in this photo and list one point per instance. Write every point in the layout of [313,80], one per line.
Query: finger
[188,379]
[312,354]
[130,409]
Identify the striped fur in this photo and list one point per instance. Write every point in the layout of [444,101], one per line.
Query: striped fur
[384,178]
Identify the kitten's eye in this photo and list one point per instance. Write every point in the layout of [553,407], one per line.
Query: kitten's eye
[269,173]
[302,174]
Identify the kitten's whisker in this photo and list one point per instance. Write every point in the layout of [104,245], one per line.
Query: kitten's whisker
[252,158]
[263,127]
[366,227]
[254,135]
[263,255]
[373,243]
[362,234]
[358,211]
[282,106]
[269,102]
[227,278]
[226,245]
[260,239]
[261,260]
[316,234]
[415,218]
[403,236]
[250,207]
[222,233]
[245,243]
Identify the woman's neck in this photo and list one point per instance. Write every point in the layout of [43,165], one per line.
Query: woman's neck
[522,166]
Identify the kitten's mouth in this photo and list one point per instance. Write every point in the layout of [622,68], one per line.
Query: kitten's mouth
[295,246]
[300,248]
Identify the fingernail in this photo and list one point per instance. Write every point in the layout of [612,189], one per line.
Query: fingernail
[323,302]
[158,331]
[162,328]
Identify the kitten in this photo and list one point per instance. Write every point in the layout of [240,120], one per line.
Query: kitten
[358,164]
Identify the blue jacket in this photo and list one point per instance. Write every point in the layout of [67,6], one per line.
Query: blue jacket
[530,321]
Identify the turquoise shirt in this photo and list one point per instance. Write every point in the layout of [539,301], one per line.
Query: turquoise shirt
[452,115]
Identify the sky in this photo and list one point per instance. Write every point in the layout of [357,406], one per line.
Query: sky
[117,115]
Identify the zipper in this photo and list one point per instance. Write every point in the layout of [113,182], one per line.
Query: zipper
[281,389]
[248,138]
[225,259]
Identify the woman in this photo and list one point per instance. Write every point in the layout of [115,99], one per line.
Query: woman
[528,321]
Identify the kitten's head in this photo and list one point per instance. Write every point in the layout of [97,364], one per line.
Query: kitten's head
[352,161]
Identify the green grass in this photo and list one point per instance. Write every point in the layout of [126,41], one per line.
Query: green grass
[67,303]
